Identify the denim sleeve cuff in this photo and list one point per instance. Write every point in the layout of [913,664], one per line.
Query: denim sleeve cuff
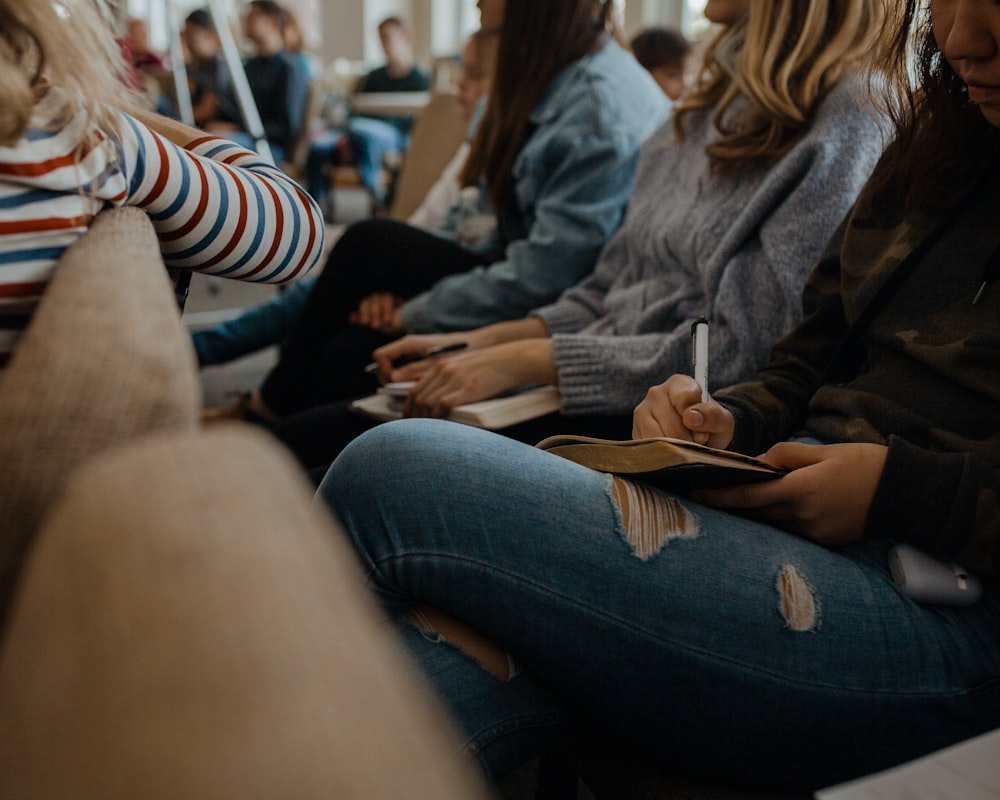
[915,499]
[416,315]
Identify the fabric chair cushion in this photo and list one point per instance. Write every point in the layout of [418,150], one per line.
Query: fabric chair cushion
[104,358]
[190,626]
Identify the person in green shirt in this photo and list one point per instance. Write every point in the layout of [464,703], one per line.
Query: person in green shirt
[367,140]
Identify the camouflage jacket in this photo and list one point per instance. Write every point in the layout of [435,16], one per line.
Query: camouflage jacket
[923,378]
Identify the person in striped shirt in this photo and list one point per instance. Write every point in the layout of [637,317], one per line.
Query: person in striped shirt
[69,148]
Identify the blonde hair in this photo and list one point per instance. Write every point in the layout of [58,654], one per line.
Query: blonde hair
[783,56]
[64,43]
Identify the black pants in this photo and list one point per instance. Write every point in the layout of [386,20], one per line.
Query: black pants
[317,436]
[323,359]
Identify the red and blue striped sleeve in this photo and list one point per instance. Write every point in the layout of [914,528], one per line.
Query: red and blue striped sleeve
[219,208]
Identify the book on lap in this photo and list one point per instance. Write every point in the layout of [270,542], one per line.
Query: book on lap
[672,464]
[492,414]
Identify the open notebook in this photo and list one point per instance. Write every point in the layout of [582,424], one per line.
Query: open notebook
[493,414]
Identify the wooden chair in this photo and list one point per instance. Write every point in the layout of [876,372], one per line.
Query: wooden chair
[437,134]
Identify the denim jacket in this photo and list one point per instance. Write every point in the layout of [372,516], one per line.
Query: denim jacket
[572,181]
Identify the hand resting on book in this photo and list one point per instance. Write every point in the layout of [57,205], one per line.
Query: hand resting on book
[825,497]
[471,375]
[408,346]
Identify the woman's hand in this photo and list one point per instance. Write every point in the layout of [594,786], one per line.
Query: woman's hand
[415,344]
[825,498]
[487,336]
[675,409]
[466,377]
[380,312]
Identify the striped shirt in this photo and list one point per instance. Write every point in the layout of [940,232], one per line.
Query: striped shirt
[216,207]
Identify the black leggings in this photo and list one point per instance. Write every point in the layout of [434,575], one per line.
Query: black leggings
[324,357]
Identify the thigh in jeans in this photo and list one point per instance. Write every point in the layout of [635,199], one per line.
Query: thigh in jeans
[711,641]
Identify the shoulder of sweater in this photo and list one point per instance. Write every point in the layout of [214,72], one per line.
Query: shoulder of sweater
[846,109]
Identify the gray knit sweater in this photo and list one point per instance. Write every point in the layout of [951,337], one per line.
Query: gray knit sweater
[735,248]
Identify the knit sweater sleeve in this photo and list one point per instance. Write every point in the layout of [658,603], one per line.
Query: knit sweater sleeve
[750,287]
[218,208]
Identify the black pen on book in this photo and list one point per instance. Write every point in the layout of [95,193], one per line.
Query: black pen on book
[409,358]
[699,354]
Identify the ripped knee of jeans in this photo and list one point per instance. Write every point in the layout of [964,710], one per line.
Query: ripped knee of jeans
[440,627]
[651,518]
[797,600]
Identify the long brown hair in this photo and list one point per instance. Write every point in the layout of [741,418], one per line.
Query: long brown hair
[538,39]
[783,56]
[942,140]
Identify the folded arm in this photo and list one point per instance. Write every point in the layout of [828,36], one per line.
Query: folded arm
[216,207]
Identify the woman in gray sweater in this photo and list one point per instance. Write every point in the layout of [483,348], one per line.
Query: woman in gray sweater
[733,201]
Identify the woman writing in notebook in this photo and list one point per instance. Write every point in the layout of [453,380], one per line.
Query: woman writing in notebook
[733,201]
[555,152]
[757,635]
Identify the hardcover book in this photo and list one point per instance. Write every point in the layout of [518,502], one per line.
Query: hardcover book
[673,464]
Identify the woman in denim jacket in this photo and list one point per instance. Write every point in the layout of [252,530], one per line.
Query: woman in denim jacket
[555,154]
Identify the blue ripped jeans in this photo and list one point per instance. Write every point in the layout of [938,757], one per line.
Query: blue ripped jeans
[725,647]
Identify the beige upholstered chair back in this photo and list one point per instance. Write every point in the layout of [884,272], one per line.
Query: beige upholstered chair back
[104,359]
[190,626]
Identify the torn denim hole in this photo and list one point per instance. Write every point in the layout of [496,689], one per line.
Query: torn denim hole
[440,628]
[797,600]
[651,518]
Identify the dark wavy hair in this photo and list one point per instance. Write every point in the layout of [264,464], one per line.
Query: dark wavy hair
[941,138]
[538,39]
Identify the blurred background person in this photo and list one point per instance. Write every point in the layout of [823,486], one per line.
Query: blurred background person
[665,53]
[146,71]
[367,141]
[140,53]
[207,72]
[277,81]
[295,43]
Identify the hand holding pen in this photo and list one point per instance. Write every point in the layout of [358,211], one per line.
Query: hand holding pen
[411,358]
[682,407]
